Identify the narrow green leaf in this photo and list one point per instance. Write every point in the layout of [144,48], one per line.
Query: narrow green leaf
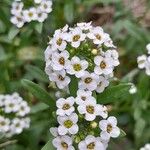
[40,93]
[37,73]
[122,133]
[38,107]
[39,27]
[73,86]
[48,146]
[114,93]
[13,32]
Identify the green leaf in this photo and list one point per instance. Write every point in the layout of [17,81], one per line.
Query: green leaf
[37,73]
[38,107]
[12,33]
[39,93]
[48,146]
[39,27]
[73,86]
[114,93]
[69,11]
[122,133]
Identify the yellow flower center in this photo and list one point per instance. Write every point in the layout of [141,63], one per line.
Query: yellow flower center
[109,128]
[76,38]
[64,145]
[77,67]
[91,146]
[59,41]
[83,98]
[66,106]
[103,65]
[90,109]
[61,78]
[68,123]
[62,60]
[98,36]
[88,80]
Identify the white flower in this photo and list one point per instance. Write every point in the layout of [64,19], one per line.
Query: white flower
[84,26]
[60,60]
[46,6]
[97,35]
[114,55]
[30,14]
[89,81]
[91,143]
[2,100]
[17,126]
[4,124]
[133,89]
[102,111]
[90,109]
[76,37]
[77,67]
[141,61]
[147,66]
[63,143]
[109,128]
[41,16]
[148,48]
[58,41]
[103,65]
[108,42]
[16,8]
[37,1]
[68,124]
[18,20]
[65,106]
[102,84]
[24,109]
[11,105]
[60,78]
[82,96]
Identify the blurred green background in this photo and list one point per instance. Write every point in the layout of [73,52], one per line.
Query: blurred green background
[22,56]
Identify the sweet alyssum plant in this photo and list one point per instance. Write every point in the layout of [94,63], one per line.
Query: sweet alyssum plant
[80,61]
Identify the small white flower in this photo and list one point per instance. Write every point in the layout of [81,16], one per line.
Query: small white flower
[102,111]
[37,1]
[18,20]
[148,48]
[4,124]
[147,66]
[63,143]
[24,109]
[46,6]
[16,8]
[30,14]
[133,89]
[114,55]
[89,81]
[77,67]
[141,61]
[65,106]
[103,65]
[76,37]
[2,100]
[90,109]
[84,26]
[41,16]
[146,147]
[68,124]
[108,42]
[109,128]
[60,60]
[91,143]
[102,84]
[97,35]
[16,126]
[82,96]
[60,78]
[58,41]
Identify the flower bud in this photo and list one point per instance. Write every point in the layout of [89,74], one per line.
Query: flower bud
[93,124]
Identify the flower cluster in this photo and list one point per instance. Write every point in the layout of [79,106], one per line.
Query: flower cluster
[13,111]
[38,13]
[144,61]
[88,54]
[146,147]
